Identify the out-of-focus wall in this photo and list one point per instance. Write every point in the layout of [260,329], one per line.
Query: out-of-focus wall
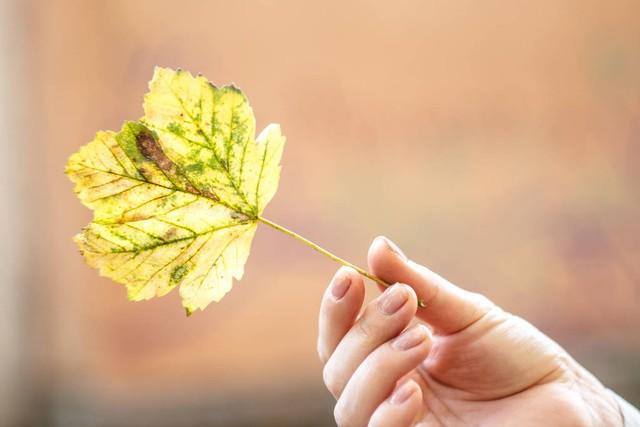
[14,375]
[497,142]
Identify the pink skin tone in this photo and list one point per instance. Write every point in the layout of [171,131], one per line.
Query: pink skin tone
[460,361]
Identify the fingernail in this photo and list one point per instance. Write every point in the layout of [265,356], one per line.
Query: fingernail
[393,298]
[404,392]
[340,286]
[411,338]
[394,248]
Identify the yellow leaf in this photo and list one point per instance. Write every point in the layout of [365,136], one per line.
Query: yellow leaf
[177,196]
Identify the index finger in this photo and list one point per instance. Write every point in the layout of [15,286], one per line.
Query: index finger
[340,306]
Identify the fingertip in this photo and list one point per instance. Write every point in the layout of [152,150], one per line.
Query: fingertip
[377,249]
[415,341]
[345,280]
[339,285]
[387,245]
[404,392]
[413,297]
[385,258]
[401,408]
[340,305]
[411,303]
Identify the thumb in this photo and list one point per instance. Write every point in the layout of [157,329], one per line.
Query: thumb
[448,308]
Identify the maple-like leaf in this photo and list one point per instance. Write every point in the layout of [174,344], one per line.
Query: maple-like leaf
[177,195]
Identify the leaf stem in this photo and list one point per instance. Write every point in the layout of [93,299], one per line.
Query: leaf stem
[328,254]
[323,251]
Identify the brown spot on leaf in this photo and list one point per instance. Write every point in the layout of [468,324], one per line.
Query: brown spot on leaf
[144,172]
[170,233]
[239,216]
[191,188]
[151,150]
[149,147]
[210,194]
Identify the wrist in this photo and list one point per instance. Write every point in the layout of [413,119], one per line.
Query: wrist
[618,417]
[601,402]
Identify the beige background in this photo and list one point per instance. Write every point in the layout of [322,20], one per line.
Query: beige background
[496,142]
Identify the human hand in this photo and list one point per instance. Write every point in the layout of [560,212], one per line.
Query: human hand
[472,364]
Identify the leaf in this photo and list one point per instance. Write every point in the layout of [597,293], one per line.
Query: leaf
[177,195]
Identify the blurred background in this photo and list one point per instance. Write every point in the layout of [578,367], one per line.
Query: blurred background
[496,142]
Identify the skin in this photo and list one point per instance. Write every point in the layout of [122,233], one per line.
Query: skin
[460,361]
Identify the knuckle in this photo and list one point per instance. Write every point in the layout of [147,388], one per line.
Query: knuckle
[376,361]
[322,353]
[341,416]
[383,359]
[372,324]
[330,379]
[483,302]
[365,329]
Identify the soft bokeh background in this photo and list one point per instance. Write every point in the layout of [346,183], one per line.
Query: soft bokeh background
[497,142]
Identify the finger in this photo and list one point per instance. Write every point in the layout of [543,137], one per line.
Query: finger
[448,307]
[340,306]
[383,318]
[377,376]
[401,409]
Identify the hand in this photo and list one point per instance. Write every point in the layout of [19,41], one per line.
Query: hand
[463,362]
